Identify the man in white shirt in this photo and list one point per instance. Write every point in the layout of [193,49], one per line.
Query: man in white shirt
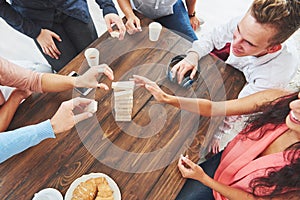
[258,47]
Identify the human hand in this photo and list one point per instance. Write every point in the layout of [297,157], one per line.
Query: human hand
[64,118]
[189,169]
[90,78]
[151,86]
[45,40]
[190,62]
[214,146]
[195,22]
[113,18]
[133,25]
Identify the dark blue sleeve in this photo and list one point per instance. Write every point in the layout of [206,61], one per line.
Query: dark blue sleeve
[17,21]
[107,6]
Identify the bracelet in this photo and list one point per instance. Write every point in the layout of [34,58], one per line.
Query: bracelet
[293,118]
[193,14]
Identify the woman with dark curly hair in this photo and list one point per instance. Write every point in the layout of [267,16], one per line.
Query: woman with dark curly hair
[262,162]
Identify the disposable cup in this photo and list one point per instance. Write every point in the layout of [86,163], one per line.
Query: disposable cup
[154,31]
[48,194]
[92,56]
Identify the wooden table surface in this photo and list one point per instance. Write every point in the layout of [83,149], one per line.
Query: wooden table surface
[141,155]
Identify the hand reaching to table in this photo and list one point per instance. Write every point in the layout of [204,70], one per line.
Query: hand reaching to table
[45,40]
[189,169]
[190,62]
[133,24]
[90,78]
[64,118]
[151,86]
[113,18]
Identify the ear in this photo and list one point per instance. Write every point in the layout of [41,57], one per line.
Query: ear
[274,48]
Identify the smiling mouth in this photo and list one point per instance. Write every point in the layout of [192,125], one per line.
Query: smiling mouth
[236,51]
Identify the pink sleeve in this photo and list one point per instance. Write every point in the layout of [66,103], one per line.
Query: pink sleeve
[18,77]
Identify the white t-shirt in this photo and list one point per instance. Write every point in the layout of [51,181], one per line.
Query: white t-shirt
[274,70]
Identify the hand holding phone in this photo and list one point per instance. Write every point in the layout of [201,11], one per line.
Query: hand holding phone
[81,90]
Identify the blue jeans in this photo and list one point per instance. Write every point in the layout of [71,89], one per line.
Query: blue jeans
[179,22]
[76,36]
[195,190]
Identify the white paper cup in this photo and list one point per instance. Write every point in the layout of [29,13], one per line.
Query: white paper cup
[92,56]
[48,194]
[154,31]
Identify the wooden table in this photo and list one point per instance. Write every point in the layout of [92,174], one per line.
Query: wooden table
[141,156]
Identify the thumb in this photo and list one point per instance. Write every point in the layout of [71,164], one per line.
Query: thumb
[187,161]
[82,116]
[55,36]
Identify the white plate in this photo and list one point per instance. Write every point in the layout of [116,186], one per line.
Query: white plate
[111,182]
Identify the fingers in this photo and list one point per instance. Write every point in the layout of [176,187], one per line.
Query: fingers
[114,18]
[103,86]
[76,102]
[104,68]
[180,74]
[52,51]
[194,71]
[82,116]
[133,26]
[122,30]
[141,80]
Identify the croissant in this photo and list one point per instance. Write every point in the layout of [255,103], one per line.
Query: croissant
[93,189]
[85,191]
[104,191]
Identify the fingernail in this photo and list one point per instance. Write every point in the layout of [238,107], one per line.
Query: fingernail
[90,115]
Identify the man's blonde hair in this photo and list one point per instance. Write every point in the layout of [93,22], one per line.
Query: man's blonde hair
[282,15]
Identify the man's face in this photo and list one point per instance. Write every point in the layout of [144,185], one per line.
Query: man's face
[251,38]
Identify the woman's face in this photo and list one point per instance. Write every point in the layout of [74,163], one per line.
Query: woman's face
[295,107]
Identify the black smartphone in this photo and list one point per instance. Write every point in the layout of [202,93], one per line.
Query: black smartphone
[83,91]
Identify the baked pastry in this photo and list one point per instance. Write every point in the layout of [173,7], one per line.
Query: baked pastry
[94,188]
[85,190]
[104,191]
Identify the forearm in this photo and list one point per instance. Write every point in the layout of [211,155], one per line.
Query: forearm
[204,107]
[190,4]
[17,21]
[57,83]
[225,190]
[200,106]
[126,8]
[7,111]
[107,6]
[16,141]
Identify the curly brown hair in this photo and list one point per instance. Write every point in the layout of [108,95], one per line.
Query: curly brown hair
[282,15]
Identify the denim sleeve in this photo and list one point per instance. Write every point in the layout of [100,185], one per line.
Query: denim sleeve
[107,6]
[16,141]
[17,21]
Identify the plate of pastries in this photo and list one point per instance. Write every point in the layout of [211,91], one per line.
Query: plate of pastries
[94,186]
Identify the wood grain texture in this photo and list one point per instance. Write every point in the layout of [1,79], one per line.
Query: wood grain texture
[149,145]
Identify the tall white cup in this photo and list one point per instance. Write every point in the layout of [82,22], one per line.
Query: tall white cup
[154,31]
[92,56]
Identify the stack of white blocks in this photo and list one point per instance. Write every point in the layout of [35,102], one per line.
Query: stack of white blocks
[123,100]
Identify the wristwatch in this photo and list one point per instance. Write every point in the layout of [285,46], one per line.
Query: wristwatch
[193,14]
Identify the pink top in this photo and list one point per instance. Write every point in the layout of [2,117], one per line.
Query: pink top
[239,163]
[18,77]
